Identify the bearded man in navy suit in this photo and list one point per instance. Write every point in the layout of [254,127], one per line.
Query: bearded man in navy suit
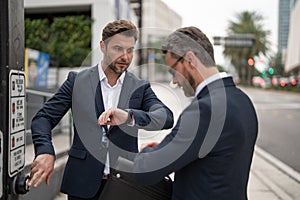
[211,147]
[106,87]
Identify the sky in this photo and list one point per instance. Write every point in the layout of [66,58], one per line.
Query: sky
[213,16]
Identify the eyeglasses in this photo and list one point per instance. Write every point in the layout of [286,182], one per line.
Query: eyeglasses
[177,61]
[172,67]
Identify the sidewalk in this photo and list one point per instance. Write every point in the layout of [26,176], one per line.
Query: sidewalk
[270,179]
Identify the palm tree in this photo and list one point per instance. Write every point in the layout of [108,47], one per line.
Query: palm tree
[247,23]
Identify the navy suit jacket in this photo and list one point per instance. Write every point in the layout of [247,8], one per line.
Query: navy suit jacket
[210,149]
[83,171]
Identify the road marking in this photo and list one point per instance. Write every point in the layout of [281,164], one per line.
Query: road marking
[289,116]
[277,106]
[275,113]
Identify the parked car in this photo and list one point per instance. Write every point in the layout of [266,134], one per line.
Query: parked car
[293,81]
[258,81]
[275,81]
[283,81]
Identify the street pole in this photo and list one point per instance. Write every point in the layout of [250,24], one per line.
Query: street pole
[12,100]
[140,50]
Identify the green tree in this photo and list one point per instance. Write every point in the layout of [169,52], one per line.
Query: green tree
[67,38]
[276,64]
[247,23]
[37,33]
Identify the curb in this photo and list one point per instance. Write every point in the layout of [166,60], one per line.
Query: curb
[278,178]
[278,164]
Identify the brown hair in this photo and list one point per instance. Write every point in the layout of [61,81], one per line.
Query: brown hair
[123,27]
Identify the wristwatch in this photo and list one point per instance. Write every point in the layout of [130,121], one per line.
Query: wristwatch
[130,115]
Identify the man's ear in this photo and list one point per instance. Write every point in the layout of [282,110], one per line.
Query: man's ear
[102,46]
[191,58]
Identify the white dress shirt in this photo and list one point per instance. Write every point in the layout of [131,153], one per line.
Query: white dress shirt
[110,95]
[210,80]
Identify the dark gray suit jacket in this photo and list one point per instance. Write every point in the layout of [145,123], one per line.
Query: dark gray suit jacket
[210,149]
[82,93]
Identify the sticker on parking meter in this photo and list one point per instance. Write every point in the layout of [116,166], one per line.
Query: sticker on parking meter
[16,133]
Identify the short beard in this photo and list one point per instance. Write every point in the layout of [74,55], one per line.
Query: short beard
[190,86]
[114,69]
[111,65]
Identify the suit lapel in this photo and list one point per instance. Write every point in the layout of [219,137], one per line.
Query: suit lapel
[126,91]
[94,77]
[84,112]
[95,84]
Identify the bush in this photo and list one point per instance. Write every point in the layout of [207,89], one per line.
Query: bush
[66,38]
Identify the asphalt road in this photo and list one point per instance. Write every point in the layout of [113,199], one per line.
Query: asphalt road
[278,114]
[279,124]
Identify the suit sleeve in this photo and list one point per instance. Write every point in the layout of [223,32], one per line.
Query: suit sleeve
[154,115]
[49,116]
[178,149]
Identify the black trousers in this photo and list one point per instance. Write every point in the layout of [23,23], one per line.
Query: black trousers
[103,182]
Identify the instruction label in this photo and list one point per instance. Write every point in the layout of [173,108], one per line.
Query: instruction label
[16,149]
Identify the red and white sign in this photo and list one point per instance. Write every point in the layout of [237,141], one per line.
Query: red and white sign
[16,149]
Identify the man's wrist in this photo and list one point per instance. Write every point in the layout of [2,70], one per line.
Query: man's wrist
[130,121]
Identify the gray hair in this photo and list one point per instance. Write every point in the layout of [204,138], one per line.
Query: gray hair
[190,39]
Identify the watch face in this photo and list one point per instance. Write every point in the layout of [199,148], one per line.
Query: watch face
[129,119]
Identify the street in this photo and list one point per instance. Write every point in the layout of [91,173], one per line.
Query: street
[279,128]
[278,114]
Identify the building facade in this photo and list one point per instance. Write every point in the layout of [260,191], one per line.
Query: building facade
[293,49]
[101,11]
[157,18]
[158,21]
[285,7]
[283,24]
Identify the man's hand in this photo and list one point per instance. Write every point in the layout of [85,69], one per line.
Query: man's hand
[113,116]
[150,144]
[41,170]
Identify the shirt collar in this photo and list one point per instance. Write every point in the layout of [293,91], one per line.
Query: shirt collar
[102,75]
[210,80]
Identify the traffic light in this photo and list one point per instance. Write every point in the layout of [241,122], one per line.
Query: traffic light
[271,71]
[263,74]
[250,62]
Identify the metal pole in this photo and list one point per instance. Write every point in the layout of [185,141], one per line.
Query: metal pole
[3,95]
[140,51]
[12,92]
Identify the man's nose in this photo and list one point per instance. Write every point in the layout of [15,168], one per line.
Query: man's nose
[125,55]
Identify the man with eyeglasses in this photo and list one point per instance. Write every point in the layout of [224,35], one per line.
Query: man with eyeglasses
[211,147]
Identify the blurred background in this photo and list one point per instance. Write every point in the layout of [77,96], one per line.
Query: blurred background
[255,41]
[70,31]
